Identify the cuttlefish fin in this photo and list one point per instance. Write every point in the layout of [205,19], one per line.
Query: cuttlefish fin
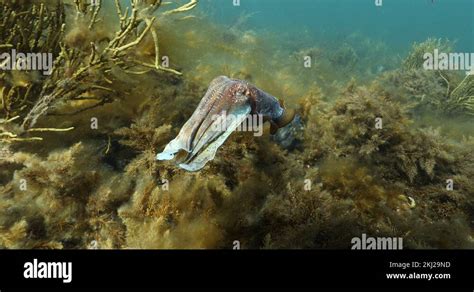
[171,149]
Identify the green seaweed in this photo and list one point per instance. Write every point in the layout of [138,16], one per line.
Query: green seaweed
[444,92]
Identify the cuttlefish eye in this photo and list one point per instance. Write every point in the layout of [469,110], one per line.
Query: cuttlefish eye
[231,101]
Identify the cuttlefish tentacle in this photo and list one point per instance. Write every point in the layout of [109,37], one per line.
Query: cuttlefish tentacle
[227,102]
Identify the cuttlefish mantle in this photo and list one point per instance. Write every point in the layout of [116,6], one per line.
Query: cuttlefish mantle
[226,104]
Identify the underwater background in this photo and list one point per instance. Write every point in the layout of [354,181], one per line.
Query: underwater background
[78,147]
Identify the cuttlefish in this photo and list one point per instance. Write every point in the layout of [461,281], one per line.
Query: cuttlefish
[226,104]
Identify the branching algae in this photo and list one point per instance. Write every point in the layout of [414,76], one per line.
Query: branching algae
[78,76]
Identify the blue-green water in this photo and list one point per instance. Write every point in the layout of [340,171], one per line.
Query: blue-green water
[398,23]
